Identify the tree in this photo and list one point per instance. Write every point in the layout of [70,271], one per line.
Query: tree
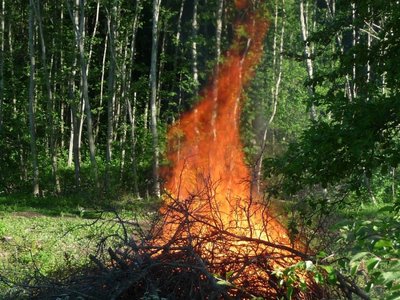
[218,34]
[111,97]
[308,49]
[275,89]
[50,101]
[91,82]
[357,137]
[2,28]
[32,127]
[153,98]
[80,42]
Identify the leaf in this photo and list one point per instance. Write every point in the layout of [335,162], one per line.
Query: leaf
[383,244]
[318,278]
[353,270]
[289,292]
[332,278]
[358,256]
[322,254]
[386,208]
[309,265]
[369,286]
[372,263]
[328,269]
[394,296]
[229,274]
[223,282]
[390,276]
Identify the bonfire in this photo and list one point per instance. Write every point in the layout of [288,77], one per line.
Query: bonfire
[217,238]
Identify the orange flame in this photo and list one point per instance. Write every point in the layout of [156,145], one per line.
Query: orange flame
[208,170]
[206,140]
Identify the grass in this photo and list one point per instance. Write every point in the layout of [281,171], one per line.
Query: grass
[53,235]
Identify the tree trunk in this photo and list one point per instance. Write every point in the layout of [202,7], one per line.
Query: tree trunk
[111,91]
[132,117]
[11,60]
[74,146]
[275,89]
[393,185]
[2,28]
[308,53]
[50,105]
[161,69]
[63,89]
[103,72]
[131,110]
[78,19]
[125,88]
[195,73]
[195,29]
[80,40]
[331,5]
[122,143]
[32,126]
[354,43]
[153,98]
[217,58]
[14,111]
[96,24]
[177,42]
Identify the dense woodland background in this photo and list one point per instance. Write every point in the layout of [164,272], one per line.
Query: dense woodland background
[89,88]
[83,97]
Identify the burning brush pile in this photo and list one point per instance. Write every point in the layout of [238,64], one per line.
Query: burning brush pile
[215,239]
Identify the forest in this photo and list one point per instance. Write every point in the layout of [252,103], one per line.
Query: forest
[199,149]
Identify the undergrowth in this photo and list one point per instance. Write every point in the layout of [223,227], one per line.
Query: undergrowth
[53,237]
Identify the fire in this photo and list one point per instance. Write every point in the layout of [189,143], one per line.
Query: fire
[209,207]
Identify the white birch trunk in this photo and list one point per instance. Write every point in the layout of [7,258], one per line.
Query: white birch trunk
[111,90]
[307,52]
[277,62]
[2,28]
[50,104]
[153,98]
[218,35]
[80,37]
[32,126]
[103,72]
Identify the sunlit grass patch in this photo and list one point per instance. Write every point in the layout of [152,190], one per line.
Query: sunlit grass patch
[53,239]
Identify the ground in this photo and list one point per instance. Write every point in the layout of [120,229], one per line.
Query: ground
[43,236]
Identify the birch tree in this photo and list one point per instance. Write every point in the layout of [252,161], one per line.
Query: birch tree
[308,50]
[111,28]
[32,125]
[195,28]
[277,54]
[153,98]
[79,29]
[2,28]
[126,86]
[49,95]
[218,35]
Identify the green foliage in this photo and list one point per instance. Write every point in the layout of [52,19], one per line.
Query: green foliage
[291,114]
[54,236]
[355,137]
[343,167]
[372,242]
[54,120]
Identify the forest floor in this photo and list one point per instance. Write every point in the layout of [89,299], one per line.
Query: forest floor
[50,236]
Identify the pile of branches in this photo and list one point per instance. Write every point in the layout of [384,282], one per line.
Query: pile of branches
[199,257]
